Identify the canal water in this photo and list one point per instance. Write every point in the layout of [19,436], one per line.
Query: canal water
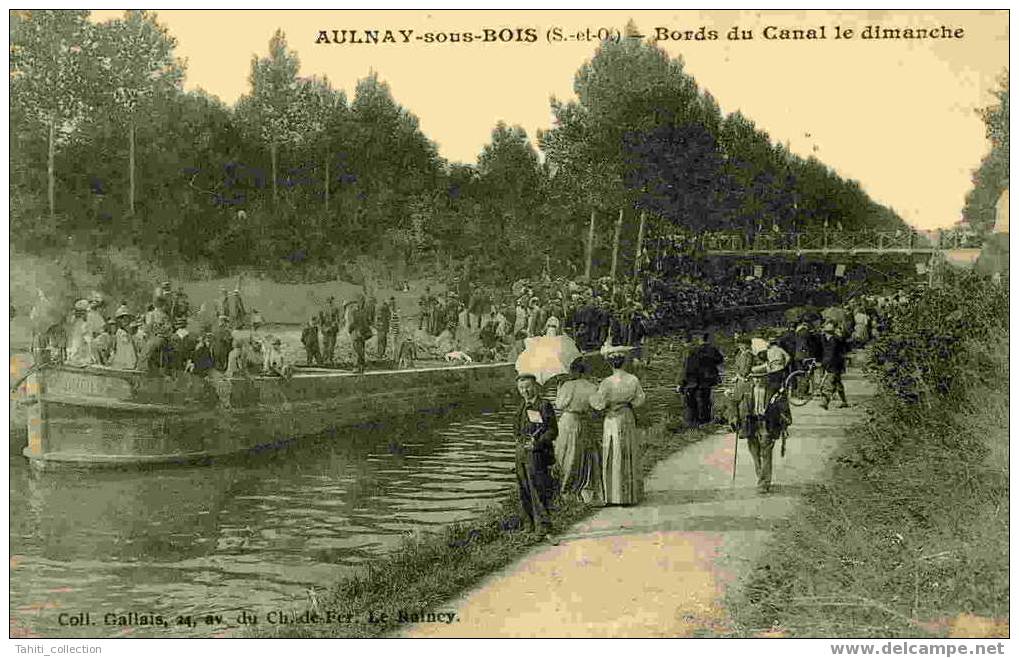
[256,533]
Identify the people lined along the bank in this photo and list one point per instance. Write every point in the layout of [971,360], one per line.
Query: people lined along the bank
[490,327]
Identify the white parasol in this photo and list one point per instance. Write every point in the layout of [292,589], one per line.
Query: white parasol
[547,356]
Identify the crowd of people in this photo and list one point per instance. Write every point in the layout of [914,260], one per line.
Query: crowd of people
[557,455]
[477,323]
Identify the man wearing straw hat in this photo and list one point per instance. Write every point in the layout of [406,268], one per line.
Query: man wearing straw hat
[770,412]
[536,432]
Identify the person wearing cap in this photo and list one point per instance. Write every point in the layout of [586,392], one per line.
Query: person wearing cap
[237,365]
[861,325]
[309,338]
[235,307]
[520,316]
[536,430]
[180,347]
[770,410]
[833,361]
[78,353]
[222,342]
[273,361]
[743,388]
[425,310]
[383,317]
[552,326]
[223,304]
[394,326]
[125,352]
[700,377]
[535,318]
[102,344]
[618,395]
[329,322]
[94,318]
[576,452]
[202,361]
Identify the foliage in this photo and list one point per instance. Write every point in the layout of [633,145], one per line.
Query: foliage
[909,533]
[991,178]
[923,356]
[295,178]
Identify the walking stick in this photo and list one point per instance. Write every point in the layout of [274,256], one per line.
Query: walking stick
[735,450]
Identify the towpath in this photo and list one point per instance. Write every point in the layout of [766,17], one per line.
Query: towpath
[661,568]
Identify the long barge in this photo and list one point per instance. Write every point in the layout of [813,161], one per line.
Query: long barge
[93,416]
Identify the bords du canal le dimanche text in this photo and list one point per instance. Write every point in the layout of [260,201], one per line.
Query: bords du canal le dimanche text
[560,34]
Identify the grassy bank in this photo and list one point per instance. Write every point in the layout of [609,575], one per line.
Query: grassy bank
[430,569]
[908,536]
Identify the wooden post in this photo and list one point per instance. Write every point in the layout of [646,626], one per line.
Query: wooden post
[50,178]
[615,246]
[130,159]
[272,156]
[327,183]
[640,245]
[590,247]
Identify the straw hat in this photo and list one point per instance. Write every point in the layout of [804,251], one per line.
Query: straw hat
[758,345]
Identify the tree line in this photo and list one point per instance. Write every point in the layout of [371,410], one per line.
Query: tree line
[991,178]
[298,179]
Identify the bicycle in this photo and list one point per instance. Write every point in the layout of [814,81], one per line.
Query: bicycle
[801,385]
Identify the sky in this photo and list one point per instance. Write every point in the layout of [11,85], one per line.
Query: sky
[900,116]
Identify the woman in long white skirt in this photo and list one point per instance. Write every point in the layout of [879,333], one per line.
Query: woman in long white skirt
[618,395]
[577,454]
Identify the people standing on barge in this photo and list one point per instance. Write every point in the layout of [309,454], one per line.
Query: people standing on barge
[536,433]
[202,361]
[222,342]
[309,338]
[577,454]
[394,326]
[78,341]
[329,320]
[125,352]
[618,395]
[382,320]
[273,361]
[236,365]
[103,344]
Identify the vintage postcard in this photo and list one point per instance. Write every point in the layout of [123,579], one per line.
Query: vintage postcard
[509,324]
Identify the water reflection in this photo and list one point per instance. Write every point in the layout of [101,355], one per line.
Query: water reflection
[253,533]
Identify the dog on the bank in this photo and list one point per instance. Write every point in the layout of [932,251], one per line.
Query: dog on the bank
[458,357]
[406,354]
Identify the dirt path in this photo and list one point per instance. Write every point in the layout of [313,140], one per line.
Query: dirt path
[660,569]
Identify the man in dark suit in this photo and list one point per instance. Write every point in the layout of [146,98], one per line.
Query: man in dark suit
[833,360]
[536,432]
[309,338]
[700,377]
[181,346]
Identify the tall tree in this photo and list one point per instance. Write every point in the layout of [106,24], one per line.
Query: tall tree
[992,177]
[272,108]
[135,55]
[50,82]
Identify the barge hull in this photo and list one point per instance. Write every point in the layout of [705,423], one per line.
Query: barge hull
[91,417]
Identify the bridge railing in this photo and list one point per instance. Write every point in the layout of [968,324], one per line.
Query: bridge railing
[823,241]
